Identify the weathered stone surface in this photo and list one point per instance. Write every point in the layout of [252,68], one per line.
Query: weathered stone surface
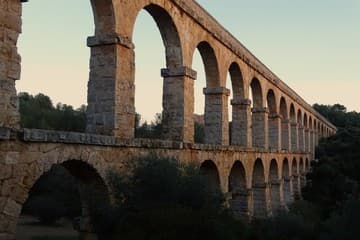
[184,25]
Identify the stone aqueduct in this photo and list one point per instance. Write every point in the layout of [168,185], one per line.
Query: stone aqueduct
[272,140]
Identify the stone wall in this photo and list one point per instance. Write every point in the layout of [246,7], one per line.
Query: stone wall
[10,28]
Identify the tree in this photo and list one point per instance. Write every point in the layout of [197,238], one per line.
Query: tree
[159,198]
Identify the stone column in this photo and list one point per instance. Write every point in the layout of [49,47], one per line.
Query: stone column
[260,129]
[301,141]
[239,203]
[178,104]
[307,140]
[10,28]
[296,186]
[260,200]
[111,89]
[312,143]
[241,122]
[216,116]
[275,197]
[294,137]
[275,132]
[288,190]
[285,135]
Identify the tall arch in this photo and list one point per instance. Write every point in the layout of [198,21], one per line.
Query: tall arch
[294,129]
[285,125]
[301,131]
[306,133]
[104,17]
[288,198]
[275,186]
[259,116]
[259,190]
[239,126]
[238,190]
[274,121]
[211,174]
[216,122]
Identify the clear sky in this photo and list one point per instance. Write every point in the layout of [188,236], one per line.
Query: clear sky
[312,45]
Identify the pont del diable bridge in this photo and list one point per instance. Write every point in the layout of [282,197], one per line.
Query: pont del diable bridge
[260,165]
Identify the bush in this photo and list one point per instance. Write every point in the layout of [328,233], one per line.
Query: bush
[157,198]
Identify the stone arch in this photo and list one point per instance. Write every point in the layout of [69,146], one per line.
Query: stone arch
[274,125]
[211,174]
[306,133]
[295,179]
[285,126]
[294,128]
[237,81]
[237,129]
[259,190]
[257,94]
[259,116]
[271,102]
[288,198]
[169,34]
[104,16]
[211,65]
[238,190]
[90,180]
[275,186]
[301,131]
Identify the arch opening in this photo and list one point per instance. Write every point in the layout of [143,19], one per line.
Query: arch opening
[274,121]
[237,128]
[209,170]
[63,195]
[207,111]
[153,117]
[285,126]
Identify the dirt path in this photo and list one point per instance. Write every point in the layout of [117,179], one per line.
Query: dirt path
[28,227]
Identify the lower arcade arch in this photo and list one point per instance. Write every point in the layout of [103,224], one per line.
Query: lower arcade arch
[210,172]
[238,190]
[81,188]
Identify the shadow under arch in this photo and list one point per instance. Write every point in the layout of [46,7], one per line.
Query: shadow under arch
[237,129]
[87,185]
[209,170]
[274,126]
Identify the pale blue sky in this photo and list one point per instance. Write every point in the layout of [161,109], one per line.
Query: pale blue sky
[312,45]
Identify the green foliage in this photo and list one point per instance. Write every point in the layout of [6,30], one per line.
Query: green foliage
[39,112]
[335,177]
[338,115]
[54,195]
[158,198]
[199,132]
[146,130]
